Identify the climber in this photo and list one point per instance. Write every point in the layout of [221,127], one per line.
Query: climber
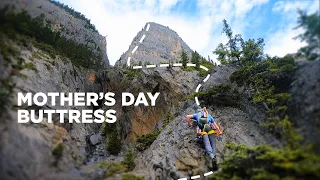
[208,128]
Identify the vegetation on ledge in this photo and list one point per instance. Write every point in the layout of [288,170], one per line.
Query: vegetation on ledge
[24,29]
[221,95]
[266,162]
[144,141]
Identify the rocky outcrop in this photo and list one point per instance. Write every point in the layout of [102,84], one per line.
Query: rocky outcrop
[172,83]
[160,45]
[176,143]
[68,25]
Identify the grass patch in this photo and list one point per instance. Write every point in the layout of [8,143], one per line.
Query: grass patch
[202,72]
[130,176]
[30,66]
[8,51]
[112,168]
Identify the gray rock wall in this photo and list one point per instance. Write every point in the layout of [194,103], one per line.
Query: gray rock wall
[304,108]
[26,149]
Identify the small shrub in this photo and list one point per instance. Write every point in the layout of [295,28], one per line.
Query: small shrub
[132,73]
[58,150]
[129,160]
[30,66]
[144,141]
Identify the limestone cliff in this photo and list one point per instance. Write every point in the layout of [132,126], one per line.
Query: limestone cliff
[160,45]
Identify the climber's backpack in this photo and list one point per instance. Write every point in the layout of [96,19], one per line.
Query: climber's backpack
[203,120]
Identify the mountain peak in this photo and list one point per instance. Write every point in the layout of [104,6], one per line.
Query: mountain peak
[159,45]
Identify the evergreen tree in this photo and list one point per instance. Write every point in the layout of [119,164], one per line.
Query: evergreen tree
[113,142]
[238,51]
[184,58]
[195,58]
[311,24]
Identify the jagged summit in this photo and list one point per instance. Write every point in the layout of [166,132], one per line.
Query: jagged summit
[160,45]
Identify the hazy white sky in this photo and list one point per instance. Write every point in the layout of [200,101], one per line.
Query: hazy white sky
[198,22]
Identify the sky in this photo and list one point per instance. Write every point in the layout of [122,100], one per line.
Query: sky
[198,22]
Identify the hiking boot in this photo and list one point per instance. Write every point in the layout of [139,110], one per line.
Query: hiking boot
[214,164]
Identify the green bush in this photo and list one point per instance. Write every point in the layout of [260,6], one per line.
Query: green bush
[58,150]
[129,176]
[265,162]
[129,160]
[144,141]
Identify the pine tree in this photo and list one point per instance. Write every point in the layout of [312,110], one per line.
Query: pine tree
[184,58]
[195,58]
[311,35]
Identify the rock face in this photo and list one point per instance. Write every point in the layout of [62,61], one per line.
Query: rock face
[304,107]
[176,144]
[68,25]
[27,149]
[160,45]
[172,83]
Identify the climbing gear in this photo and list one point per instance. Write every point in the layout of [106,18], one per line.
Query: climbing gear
[207,129]
[203,120]
[219,138]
